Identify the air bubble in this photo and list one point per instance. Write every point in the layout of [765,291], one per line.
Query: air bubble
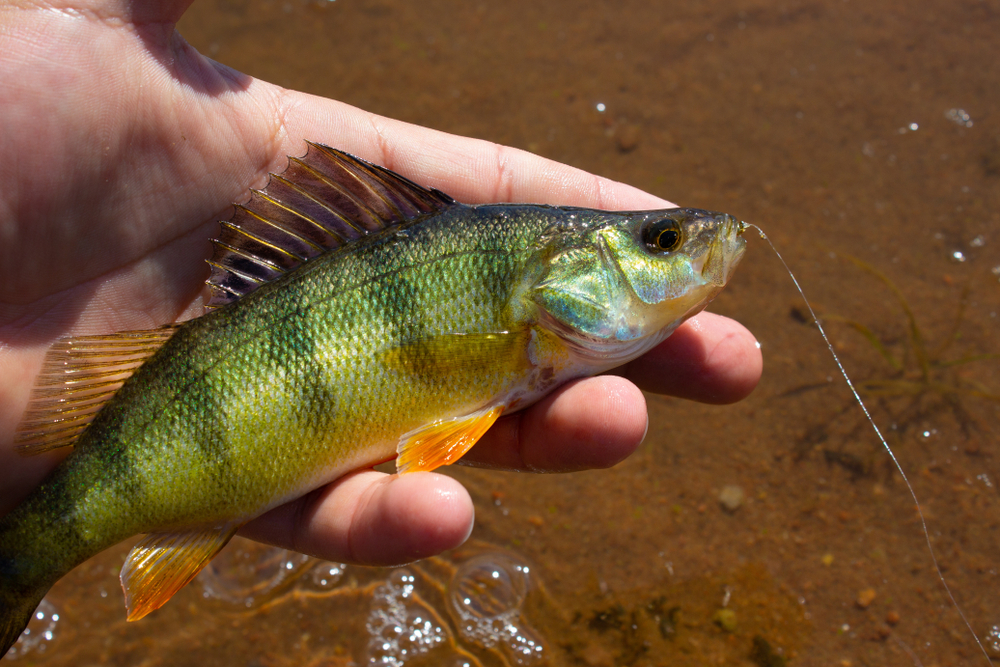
[991,642]
[485,596]
[959,117]
[325,576]
[245,572]
[400,625]
[40,632]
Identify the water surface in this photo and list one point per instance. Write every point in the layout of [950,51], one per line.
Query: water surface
[844,129]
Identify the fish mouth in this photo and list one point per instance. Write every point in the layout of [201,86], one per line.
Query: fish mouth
[725,250]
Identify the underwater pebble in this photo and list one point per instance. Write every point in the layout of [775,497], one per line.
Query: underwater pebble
[725,619]
[595,655]
[865,598]
[627,137]
[731,498]
[892,618]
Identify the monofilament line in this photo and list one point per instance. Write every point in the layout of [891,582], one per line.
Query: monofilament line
[885,444]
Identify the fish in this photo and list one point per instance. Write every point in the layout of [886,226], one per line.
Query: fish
[354,316]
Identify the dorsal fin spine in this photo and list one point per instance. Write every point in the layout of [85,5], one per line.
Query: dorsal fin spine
[367,186]
[262,241]
[252,257]
[237,272]
[271,223]
[341,190]
[324,200]
[302,216]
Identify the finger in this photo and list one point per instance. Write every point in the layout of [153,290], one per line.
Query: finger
[372,518]
[136,13]
[710,358]
[589,423]
[471,170]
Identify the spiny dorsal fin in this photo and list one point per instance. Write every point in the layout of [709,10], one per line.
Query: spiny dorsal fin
[323,200]
[79,375]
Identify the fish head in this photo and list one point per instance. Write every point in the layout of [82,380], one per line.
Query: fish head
[617,284]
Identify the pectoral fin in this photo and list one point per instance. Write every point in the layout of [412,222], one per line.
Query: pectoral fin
[162,563]
[446,355]
[443,442]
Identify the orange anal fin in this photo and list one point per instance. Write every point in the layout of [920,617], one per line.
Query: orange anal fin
[162,563]
[443,442]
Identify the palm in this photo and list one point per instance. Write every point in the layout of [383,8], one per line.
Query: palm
[112,165]
[122,146]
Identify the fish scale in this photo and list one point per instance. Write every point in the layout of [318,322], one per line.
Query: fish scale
[410,338]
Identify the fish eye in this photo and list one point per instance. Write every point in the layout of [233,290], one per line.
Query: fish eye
[662,235]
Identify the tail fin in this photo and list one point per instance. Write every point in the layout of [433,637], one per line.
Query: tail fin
[15,612]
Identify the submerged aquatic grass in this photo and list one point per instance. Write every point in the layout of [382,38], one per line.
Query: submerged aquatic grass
[921,370]
[911,385]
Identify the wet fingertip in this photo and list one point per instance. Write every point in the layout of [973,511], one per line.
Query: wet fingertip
[415,516]
[591,423]
[739,364]
[626,419]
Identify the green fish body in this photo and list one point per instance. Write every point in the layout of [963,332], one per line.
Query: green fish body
[387,320]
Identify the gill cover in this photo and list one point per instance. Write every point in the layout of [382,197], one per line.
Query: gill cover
[613,290]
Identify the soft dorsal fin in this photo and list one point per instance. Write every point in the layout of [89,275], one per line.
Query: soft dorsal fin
[321,201]
[79,375]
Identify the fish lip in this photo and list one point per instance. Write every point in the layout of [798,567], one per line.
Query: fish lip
[724,251]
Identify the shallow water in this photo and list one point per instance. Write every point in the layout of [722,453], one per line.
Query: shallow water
[844,129]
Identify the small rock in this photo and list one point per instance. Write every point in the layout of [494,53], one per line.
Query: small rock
[827,559]
[627,137]
[892,618]
[731,498]
[865,598]
[595,655]
[725,619]
[763,655]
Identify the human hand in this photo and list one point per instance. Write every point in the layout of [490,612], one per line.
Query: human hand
[122,148]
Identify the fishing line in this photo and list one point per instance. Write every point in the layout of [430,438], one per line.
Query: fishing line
[885,444]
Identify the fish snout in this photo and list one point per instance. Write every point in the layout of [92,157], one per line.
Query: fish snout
[725,250]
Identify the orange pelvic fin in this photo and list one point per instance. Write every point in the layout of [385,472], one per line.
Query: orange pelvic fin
[443,442]
[162,563]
